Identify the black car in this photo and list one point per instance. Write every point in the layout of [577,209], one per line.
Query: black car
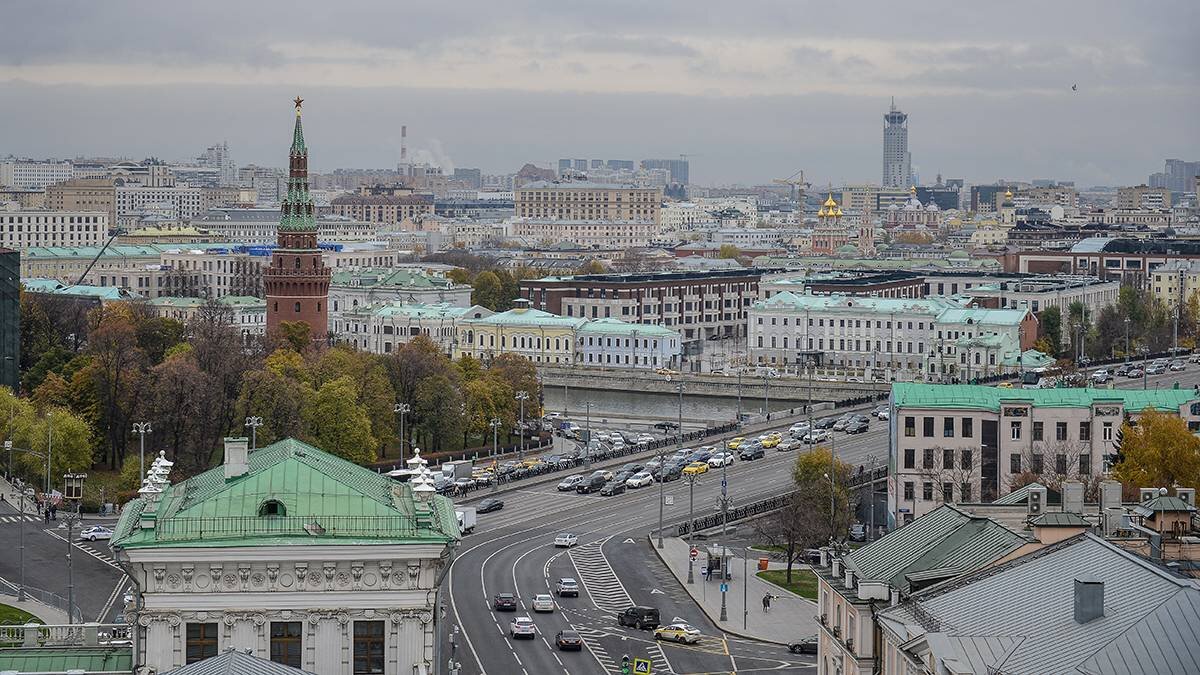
[639,617]
[805,646]
[666,426]
[633,467]
[504,602]
[488,505]
[752,452]
[568,640]
[622,476]
[701,456]
[590,484]
[614,487]
[825,423]
[857,426]
[671,471]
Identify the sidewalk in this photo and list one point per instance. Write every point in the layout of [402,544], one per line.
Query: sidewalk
[791,617]
[49,615]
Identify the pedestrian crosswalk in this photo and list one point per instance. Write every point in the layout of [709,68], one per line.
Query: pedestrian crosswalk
[596,575]
[592,637]
[16,519]
[99,550]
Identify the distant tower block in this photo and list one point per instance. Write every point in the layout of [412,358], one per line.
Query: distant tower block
[897,162]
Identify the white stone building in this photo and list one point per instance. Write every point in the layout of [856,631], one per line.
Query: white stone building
[30,175]
[383,327]
[612,343]
[24,229]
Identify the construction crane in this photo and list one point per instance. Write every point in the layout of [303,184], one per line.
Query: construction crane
[797,184]
[116,232]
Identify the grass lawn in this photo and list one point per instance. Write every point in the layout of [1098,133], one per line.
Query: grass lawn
[11,616]
[804,582]
[770,547]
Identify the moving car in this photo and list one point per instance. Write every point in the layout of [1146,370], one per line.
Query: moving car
[612,489]
[720,459]
[1156,369]
[695,468]
[504,602]
[678,632]
[754,452]
[639,616]
[542,602]
[787,445]
[567,587]
[816,436]
[1135,371]
[640,479]
[825,423]
[568,640]
[96,532]
[1178,366]
[840,424]
[1101,376]
[771,440]
[566,540]
[569,483]
[591,484]
[737,442]
[489,504]
[805,646]
[464,484]
[606,474]
[522,627]
[798,429]
[884,415]
[857,426]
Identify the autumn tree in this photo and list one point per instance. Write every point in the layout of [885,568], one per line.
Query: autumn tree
[592,266]
[1050,329]
[729,252]
[373,390]
[336,423]
[1158,451]
[810,474]
[116,369]
[486,291]
[438,411]
[797,525]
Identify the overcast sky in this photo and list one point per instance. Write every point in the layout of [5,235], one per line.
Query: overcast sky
[750,90]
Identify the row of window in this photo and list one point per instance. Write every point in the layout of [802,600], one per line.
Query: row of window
[287,644]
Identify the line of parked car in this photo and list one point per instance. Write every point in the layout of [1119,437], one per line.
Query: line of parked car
[1132,370]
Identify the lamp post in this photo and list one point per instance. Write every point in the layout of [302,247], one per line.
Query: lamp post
[745,585]
[691,524]
[522,396]
[766,395]
[810,365]
[495,425]
[21,526]
[141,429]
[49,448]
[724,586]
[402,409]
[1126,339]
[73,489]
[1145,352]
[254,422]
[739,394]
[587,435]
[832,508]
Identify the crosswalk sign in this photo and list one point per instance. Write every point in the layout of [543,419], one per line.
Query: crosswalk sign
[642,666]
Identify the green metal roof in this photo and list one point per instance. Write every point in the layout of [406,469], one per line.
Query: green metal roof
[175,301]
[381,276]
[114,251]
[1165,503]
[114,659]
[242,301]
[326,500]
[38,285]
[979,397]
[415,310]
[617,327]
[933,305]
[1059,519]
[529,317]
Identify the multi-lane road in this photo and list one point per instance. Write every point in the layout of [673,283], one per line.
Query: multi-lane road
[512,551]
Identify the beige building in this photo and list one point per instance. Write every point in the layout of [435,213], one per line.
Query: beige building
[622,234]
[84,194]
[21,229]
[382,204]
[1143,197]
[1175,282]
[586,201]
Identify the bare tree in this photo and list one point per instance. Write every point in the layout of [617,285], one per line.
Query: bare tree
[956,467]
[803,522]
[1052,463]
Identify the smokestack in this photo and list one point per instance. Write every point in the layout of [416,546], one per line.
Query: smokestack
[403,143]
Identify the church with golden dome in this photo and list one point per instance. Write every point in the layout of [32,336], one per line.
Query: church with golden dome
[835,231]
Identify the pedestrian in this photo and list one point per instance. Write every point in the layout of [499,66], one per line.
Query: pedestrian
[46,515]
[766,603]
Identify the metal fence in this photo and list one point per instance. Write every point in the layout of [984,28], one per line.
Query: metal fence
[734,514]
[234,527]
[45,597]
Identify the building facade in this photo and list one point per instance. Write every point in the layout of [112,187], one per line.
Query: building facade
[1175,282]
[584,201]
[84,194]
[22,230]
[609,343]
[897,161]
[25,174]
[595,233]
[539,336]
[313,562]
[1143,197]
[384,326]
[966,443]
[297,282]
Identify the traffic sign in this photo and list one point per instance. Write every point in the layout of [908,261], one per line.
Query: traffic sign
[724,588]
[642,666]
[724,483]
[695,553]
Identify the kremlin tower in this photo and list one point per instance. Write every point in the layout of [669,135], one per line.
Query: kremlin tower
[297,282]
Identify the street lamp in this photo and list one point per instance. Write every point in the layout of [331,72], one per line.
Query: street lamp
[1126,339]
[403,409]
[1145,352]
[73,489]
[495,425]
[254,423]
[832,508]
[691,478]
[587,435]
[141,429]
[522,396]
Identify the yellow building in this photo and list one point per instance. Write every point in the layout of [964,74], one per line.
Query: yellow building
[586,201]
[1175,282]
[539,336]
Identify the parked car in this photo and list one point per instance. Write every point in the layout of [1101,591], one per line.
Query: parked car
[825,423]
[606,474]
[504,602]
[567,587]
[96,532]
[522,627]
[489,504]
[645,438]
[672,471]
[1101,376]
[639,616]
[753,452]
[593,483]
[840,424]
[1156,369]
[1135,371]
[816,436]
[885,414]
[568,641]
[771,440]
[805,646]
[567,484]
[882,407]
[701,455]
[858,532]
[720,459]
[566,540]
[622,476]
[695,468]
[542,602]
[678,632]
[464,484]
[612,489]
[1178,366]
[1123,369]
[736,443]
[639,479]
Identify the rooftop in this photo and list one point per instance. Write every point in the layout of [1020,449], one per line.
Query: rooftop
[617,327]
[979,397]
[384,276]
[524,317]
[234,662]
[581,185]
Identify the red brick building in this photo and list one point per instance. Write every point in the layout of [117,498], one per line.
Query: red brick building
[297,282]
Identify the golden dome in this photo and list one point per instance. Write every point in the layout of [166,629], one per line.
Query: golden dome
[829,202]
[912,190]
[839,212]
[821,213]
[1008,194]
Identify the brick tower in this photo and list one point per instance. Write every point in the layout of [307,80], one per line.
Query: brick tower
[297,282]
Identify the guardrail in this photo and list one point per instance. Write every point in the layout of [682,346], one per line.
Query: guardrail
[45,597]
[58,635]
[734,514]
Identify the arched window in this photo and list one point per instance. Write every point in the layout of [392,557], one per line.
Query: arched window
[297,308]
[272,507]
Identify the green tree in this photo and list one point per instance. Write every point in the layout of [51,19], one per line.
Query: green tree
[459,275]
[278,399]
[1050,327]
[591,267]
[373,390]
[156,335]
[487,291]
[437,411]
[1158,451]
[117,372]
[296,334]
[486,399]
[335,422]
[65,436]
[810,474]
[729,252]
[176,414]
[469,367]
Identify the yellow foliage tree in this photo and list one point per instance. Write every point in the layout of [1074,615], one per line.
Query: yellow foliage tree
[1159,451]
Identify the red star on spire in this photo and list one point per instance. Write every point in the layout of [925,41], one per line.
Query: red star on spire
[298,102]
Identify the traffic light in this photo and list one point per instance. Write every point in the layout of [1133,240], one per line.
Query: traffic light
[625,665]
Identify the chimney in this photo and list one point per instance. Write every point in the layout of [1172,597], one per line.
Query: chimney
[1089,598]
[237,457]
[1073,496]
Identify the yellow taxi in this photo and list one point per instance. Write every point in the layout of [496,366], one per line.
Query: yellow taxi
[772,440]
[695,468]
[1004,385]
[530,463]
[678,632]
[736,443]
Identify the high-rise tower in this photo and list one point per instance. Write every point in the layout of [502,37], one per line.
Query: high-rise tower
[297,282]
[897,162]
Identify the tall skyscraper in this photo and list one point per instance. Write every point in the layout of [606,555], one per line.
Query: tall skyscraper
[897,162]
[297,282]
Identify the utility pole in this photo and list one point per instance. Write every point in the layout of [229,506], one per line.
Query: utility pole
[254,423]
[49,449]
[810,365]
[495,425]
[587,433]
[691,525]
[745,585]
[21,525]
[141,429]
[1175,335]
[522,396]
[739,395]
[680,429]
[403,409]
[725,586]
[724,488]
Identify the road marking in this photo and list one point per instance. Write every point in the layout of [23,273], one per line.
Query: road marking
[112,599]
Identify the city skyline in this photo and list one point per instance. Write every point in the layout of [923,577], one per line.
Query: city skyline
[749,96]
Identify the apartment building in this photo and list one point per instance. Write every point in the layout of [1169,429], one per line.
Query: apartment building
[1126,260]
[22,229]
[30,175]
[1143,197]
[967,443]
[179,202]
[351,288]
[221,271]
[869,283]
[261,225]
[610,343]
[1175,282]
[702,305]
[380,206]
[84,194]
[589,233]
[586,201]
[943,338]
